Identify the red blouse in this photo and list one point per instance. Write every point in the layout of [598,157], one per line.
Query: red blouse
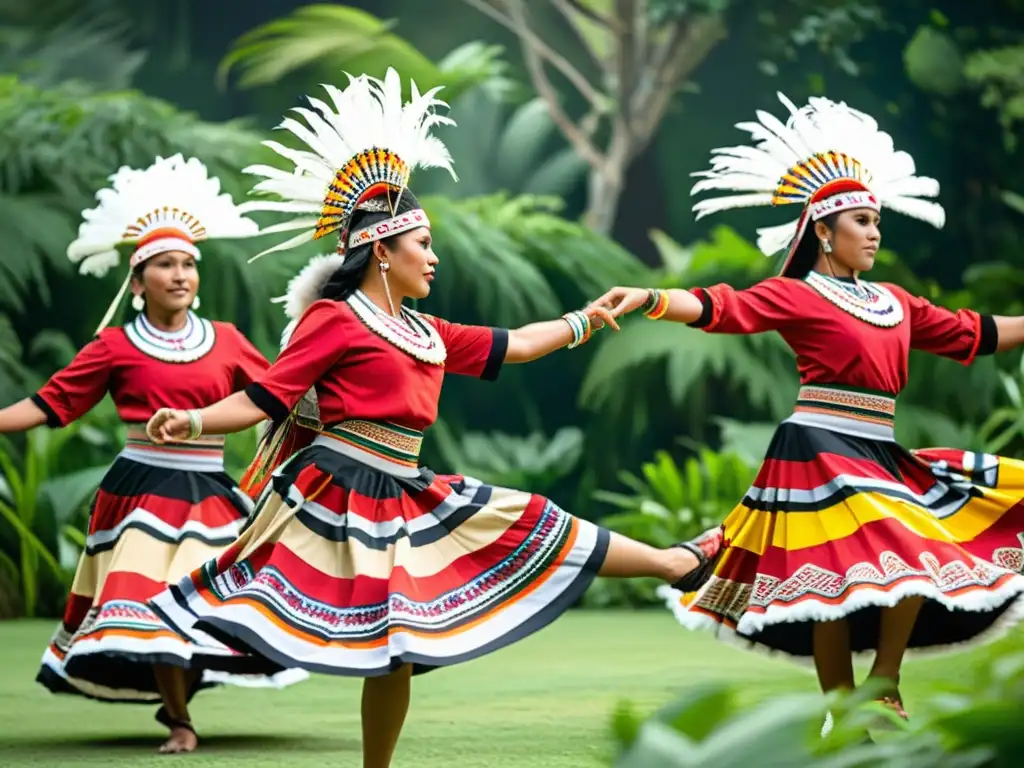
[360,375]
[834,347]
[140,384]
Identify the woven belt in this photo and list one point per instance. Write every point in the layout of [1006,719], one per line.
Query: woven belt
[383,445]
[205,454]
[844,409]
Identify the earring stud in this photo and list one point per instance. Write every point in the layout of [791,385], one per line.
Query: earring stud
[826,246]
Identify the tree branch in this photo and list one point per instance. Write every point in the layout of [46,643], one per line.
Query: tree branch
[588,13]
[691,44]
[625,61]
[566,8]
[544,51]
[534,64]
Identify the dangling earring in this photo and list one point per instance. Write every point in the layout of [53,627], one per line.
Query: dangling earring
[384,267]
[826,246]
[195,302]
[138,302]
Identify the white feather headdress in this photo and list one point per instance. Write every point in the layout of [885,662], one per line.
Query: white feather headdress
[361,151]
[171,205]
[826,156]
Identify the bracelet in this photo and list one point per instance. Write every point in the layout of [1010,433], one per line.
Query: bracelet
[195,424]
[652,300]
[579,322]
[659,307]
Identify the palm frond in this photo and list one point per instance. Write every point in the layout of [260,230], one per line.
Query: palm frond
[63,42]
[497,148]
[518,242]
[328,38]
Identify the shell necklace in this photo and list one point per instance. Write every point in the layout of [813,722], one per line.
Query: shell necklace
[189,344]
[866,301]
[410,333]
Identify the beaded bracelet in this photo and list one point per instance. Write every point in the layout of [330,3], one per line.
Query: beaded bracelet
[579,322]
[656,305]
[195,424]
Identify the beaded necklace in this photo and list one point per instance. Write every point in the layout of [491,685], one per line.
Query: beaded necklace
[410,333]
[191,343]
[866,301]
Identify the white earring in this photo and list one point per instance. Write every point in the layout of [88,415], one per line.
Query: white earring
[385,266]
[826,246]
[138,302]
[195,302]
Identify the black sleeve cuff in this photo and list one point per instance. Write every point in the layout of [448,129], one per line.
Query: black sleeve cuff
[989,336]
[496,357]
[706,313]
[266,402]
[52,419]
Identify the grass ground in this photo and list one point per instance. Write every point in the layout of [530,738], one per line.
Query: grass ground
[544,702]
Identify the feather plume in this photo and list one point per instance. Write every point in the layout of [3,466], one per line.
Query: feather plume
[171,193]
[368,115]
[818,143]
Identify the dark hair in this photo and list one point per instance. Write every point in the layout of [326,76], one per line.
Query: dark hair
[807,249]
[347,278]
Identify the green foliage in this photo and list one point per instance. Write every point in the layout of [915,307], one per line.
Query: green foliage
[504,253]
[39,505]
[501,149]
[60,41]
[534,462]
[666,504]
[999,74]
[934,62]
[965,725]
[333,39]
[647,361]
[59,145]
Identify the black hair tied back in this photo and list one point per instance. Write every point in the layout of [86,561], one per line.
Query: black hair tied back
[349,276]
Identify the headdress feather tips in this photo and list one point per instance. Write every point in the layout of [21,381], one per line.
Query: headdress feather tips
[365,143]
[173,199]
[825,156]
[169,206]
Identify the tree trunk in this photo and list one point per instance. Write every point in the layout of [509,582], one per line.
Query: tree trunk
[604,191]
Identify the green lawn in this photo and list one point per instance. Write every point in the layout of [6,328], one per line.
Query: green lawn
[544,702]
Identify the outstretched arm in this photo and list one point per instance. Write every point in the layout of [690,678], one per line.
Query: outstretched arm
[24,414]
[536,340]
[234,413]
[770,305]
[1009,332]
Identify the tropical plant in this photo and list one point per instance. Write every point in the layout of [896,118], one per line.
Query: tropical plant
[39,505]
[500,148]
[535,461]
[665,504]
[967,723]
[58,146]
[49,44]
[329,39]
[509,253]
[686,371]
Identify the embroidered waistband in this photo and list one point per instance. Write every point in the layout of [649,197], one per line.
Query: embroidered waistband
[845,409]
[382,445]
[204,454]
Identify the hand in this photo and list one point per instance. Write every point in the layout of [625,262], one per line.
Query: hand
[168,426]
[600,316]
[621,300]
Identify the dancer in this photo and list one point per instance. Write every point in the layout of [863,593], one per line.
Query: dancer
[160,511]
[357,560]
[847,542]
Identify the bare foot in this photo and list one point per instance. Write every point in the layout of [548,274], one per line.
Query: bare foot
[182,740]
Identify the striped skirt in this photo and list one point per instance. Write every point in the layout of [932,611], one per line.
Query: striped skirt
[356,562]
[159,513]
[842,521]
